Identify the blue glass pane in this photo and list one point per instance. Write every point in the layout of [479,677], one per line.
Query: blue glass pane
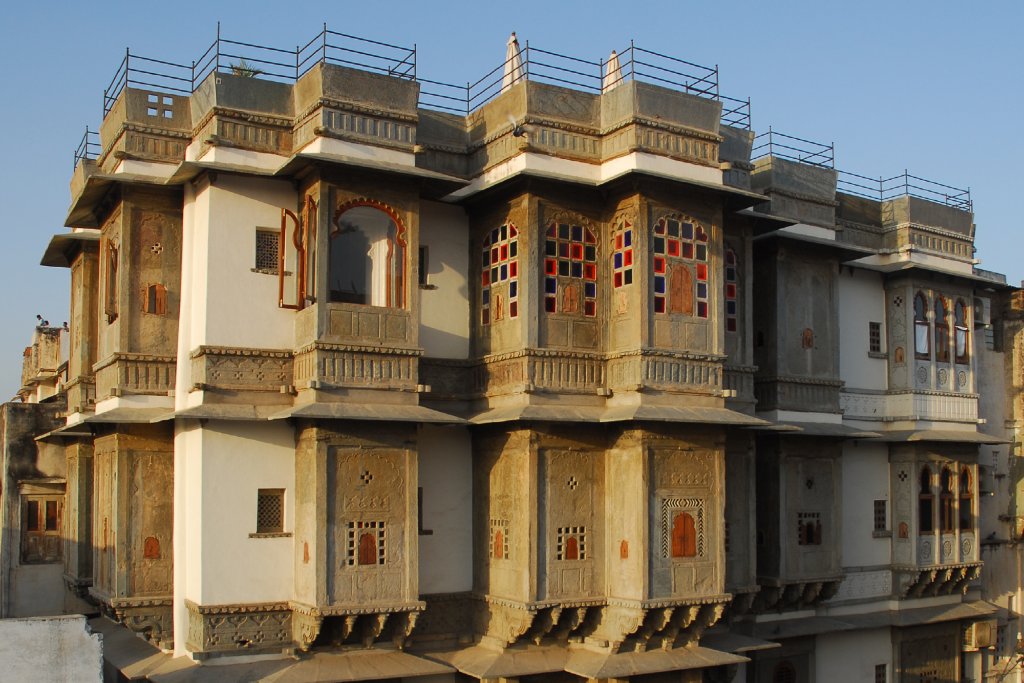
[494,235]
[513,249]
[659,284]
[563,231]
[485,296]
[617,260]
[563,268]
[627,277]
[550,248]
[628,239]
[577,233]
[688,231]
[702,252]
[590,290]
[730,307]
[504,232]
[659,245]
[549,285]
[702,290]
[513,289]
[504,273]
[577,269]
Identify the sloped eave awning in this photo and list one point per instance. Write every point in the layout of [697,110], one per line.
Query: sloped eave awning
[941,435]
[367,411]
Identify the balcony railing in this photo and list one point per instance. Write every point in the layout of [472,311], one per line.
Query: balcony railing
[332,47]
[881,189]
[88,147]
[775,144]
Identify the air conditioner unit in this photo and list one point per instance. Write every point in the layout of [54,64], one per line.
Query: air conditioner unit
[982,311]
[980,634]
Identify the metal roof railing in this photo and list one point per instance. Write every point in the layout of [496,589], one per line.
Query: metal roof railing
[775,144]
[88,147]
[904,185]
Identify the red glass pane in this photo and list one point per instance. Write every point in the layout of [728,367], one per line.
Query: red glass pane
[702,271]
[618,241]
[702,309]
[687,251]
[659,227]
[549,304]
[512,231]
[513,309]
[618,279]
[673,247]
[730,291]
[659,264]
[550,266]
[551,230]
[701,235]
[730,324]
[659,304]
[485,316]
[504,252]
[577,252]
[485,278]
[494,254]
[591,238]
[513,269]
[590,308]
[589,271]
[627,257]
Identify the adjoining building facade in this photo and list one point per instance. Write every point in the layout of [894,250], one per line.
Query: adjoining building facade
[533,380]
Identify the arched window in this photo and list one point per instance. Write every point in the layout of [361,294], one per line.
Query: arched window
[960,330]
[368,548]
[570,269]
[684,536]
[966,501]
[925,503]
[941,330]
[946,500]
[498,550]
[367,256]
[499,275]
[680,267]
[622,255]
[922,333]
[731,290]
[572,549]
[784,673]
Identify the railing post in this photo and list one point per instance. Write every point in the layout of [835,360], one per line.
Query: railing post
[323,44]
[526,61]
[632,60]
[414,61]
[216,52]
[467,98]
[127,69]
[296,62]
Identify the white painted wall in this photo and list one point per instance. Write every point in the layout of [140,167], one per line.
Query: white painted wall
[851,657]
[865,479]
[861,301]
[232,305]
[444,311]
[446,477]
[237,459]
[188,515]
[50,649]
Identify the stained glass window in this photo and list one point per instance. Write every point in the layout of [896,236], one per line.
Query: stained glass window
[499,274]
[570,260]
[679,246]
[731,293]
[622,256]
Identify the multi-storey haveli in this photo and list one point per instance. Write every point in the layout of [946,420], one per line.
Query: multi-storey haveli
[533,380]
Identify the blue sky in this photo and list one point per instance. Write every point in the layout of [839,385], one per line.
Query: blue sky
[933,87]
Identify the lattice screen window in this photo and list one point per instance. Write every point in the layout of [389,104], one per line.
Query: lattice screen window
[680,253]
[267,245]
[731,291]
[499,539]
[269,511]
[879,515]
[570,259]
[682,528]
[881,673]
[622,256]
[366,543]
[572,543]
[808,528]
[875,337]
[499,275]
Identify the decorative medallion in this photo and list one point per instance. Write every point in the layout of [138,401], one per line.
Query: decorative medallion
[943,376]
[961,378]
[922,376]
[966,546]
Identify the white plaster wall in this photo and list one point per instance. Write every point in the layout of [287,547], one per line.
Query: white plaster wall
[444,304]
[233,306]
[861,301]
[50,649]
[37,590]
[237,459]
[851,657]
[865,479]
[446,477]
[188,515]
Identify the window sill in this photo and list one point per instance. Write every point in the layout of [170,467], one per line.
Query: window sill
[271,534]
[881,533]
[269,271]
[878,354]
[428,287]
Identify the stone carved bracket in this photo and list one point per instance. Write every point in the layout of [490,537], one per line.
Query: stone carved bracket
[916,582]
[796,595]
[504,623]
[149,617]
[238,628]
[367,624]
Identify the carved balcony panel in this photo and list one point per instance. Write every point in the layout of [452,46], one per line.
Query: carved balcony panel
[134,373]
[665,371]
[241,369]
[739,380]
[798,393]
[242,628]
[347,366]
[447,378]
[81,394]
[539,370]
[910,405]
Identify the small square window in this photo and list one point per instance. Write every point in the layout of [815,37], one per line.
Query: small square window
[269,511]
[267,245]
[881,673]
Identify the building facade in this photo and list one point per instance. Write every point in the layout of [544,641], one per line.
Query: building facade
[547,381]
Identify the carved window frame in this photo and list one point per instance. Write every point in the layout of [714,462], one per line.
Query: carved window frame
[922,328]
[695,507]
[947,501]
[961,333]
[40,528]
[570,257]
[498,526]
[395,261]
[925,502]
[565,538]
[683,241]
[356,530]
[941,330]
[499,273]
[270,511]
[808,528]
